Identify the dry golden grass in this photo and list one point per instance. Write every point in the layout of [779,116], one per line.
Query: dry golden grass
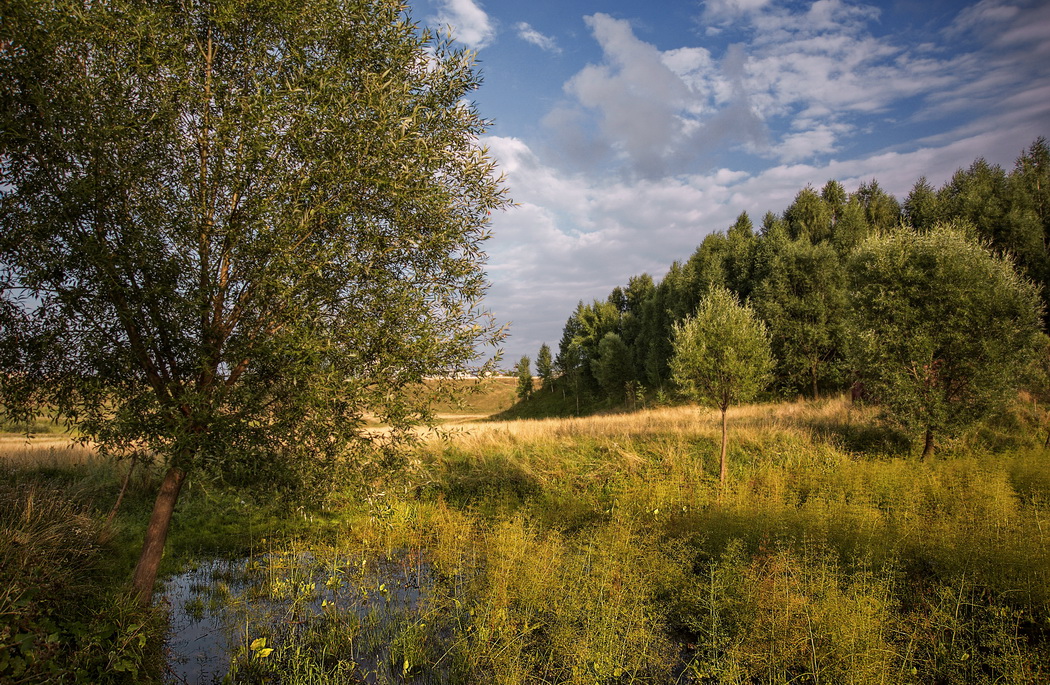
[683,421]
[52,451]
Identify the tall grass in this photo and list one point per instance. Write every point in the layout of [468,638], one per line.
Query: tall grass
[62,618]
[604,550]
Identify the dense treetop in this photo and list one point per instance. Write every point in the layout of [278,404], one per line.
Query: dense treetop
[794,270]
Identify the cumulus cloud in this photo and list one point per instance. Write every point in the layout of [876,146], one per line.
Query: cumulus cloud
[817,72]
[531,35]
[470,24]
[727,10]
[655,112]
[574,236]
[801,86]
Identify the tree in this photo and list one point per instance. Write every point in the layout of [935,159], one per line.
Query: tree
[612,366]
[809,217]
[802,299]
[721,356]
[943,330]
[881,209]
[741,244]
[658,316]
[569,366]
[584,330]
[524,378]
[232,228]
[851,227]
[545,367]
[835,197]
[920,207]
[640,290]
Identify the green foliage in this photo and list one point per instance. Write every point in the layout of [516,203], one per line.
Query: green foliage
[545,366]
[881,209]
[597,551]
[809,217]
[612,367]
[524,374]
[233,230]
[60,618]
[245,286]
[802,299]
[721,354]
[600,550]
[943,330]
[921,207]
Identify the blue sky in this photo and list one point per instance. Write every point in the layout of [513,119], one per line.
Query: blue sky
[628,131]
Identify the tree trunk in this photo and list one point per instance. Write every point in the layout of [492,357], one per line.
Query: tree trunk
[927,450]
[722,460]
[813,373]
[156,534]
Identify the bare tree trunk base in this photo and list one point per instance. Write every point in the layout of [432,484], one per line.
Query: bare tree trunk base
[156,535]
[927,449]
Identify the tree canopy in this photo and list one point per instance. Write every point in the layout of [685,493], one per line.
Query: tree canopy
[943,330]
[230,229]
[795,268]
[721,356]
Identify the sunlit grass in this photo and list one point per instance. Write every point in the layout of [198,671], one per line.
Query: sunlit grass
[604,550]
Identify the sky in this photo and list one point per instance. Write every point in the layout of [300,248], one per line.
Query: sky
[629,130]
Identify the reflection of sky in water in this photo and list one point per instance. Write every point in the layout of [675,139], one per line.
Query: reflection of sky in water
[211,605]
[197,645]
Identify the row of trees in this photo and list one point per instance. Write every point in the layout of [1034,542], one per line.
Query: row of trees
[804,275]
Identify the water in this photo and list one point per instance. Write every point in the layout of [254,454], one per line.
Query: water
[220,606]
[199,641]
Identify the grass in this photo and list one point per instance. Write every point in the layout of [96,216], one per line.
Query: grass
[62,618]
[604,550]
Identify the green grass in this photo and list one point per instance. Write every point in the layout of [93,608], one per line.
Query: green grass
[603,550]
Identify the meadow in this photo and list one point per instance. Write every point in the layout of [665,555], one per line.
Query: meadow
[586,550]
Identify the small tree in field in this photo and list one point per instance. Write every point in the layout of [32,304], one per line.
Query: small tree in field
[545,366]
[944,332]
[721,356]
[524,378]
[231,229]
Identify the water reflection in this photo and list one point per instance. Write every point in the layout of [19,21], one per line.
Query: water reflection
[218,607]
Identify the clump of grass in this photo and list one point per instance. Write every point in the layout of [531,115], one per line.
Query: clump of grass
[57,620]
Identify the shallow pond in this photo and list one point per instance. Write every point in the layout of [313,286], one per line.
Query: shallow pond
[219,608]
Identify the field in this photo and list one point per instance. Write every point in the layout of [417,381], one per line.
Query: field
[589,550]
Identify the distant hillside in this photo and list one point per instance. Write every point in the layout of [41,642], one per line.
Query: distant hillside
[479,398]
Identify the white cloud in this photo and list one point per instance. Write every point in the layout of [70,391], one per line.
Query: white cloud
[470,24]
[531,35]
[808,144]
[813,80]
[655,111]
[574,237]
[727,10]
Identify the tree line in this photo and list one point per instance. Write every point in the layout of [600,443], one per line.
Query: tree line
[829,276]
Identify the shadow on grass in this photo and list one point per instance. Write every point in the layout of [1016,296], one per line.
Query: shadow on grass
[490,483]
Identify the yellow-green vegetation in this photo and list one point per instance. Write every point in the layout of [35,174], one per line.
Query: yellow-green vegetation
[475,398]
[62,618]
[604,550]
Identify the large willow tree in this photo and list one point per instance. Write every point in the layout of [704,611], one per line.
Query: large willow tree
[943,331]
[230,228]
